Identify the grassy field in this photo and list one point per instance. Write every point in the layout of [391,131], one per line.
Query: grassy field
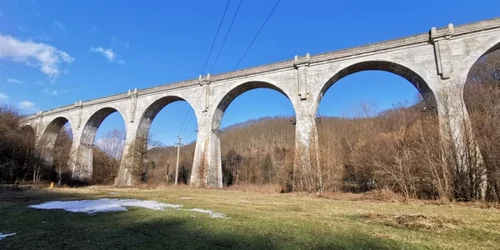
[255,220]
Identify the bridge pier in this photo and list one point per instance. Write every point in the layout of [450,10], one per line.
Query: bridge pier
[306,168]
[459,147]
[207,162]
[136,143]
[81,159]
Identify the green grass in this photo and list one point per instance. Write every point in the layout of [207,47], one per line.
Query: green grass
[256,221]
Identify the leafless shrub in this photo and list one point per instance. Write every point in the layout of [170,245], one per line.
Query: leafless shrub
[19,159]
[107,157]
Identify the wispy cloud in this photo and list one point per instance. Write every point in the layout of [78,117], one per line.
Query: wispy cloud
[44,38]
[116,41]
[26,106]
[41,83]
[3,97]
[55,92]
[46,57]
[58,24]
[15,81]
[22,28]
[108,54]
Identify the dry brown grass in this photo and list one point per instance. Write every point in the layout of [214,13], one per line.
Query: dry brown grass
[382,195]
[262,189]
[414,221]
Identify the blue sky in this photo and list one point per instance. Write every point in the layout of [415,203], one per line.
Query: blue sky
[90,49]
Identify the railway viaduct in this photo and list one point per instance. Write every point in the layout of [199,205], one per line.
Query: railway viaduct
[436,63]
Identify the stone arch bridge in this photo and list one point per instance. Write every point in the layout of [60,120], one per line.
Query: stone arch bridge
[436,63]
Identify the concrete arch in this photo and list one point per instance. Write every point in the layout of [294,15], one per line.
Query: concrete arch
[381,65]
[94,122]
[236,91]
[83,170]
[149,114]
[49,134]
[207,165]
[27,128]
[476,53]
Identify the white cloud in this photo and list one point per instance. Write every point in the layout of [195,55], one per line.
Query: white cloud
[27,105]
[58,24]
[42,55]
[3,97]
[108,53]
[16,81]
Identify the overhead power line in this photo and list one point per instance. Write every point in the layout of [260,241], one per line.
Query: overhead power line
[181,130]
[262,27]
[187,124]
[215,38]
[183,122]
[225,37]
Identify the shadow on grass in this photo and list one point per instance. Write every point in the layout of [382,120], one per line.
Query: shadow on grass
[147,229]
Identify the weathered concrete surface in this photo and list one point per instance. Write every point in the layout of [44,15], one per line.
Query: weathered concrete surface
[435,62]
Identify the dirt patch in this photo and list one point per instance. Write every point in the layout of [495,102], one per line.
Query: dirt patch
[414,221]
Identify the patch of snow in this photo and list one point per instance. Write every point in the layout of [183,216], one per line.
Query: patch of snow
[209,212]
[186,198]
[112,205]
[103,205]
[6,235]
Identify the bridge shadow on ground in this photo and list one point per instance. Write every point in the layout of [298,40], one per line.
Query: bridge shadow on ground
[147,229]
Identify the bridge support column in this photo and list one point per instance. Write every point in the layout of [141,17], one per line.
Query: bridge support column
[460,150]
[81,159]
[136,143]
[207,165]
[306,171]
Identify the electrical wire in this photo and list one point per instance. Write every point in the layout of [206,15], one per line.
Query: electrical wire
[262,27]
[225,37]
[215,38]
[184,121]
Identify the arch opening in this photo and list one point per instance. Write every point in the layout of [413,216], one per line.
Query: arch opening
[255,135]
[55,145]
[237,91]
[101,147]
[415,79]
[482,100]
[374,131]
[162,123]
